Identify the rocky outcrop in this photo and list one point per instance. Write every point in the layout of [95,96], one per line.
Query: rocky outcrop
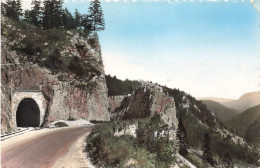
[128,130]
[68,96]
[146,101]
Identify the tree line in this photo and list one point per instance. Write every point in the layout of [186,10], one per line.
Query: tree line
[120,87]
[50,14]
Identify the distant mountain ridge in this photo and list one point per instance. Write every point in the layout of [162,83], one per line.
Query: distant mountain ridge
[222,112]
[215,99]
[245,102]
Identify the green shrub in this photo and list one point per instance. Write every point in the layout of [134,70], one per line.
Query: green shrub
[107,150]
[198,162]
[76,67]
[93,42]
[162,147]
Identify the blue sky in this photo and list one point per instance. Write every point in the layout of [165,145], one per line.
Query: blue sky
[203,48]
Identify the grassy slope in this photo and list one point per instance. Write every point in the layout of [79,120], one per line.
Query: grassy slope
[242,122]
[222,112]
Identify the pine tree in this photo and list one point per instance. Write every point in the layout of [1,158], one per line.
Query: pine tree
[67,19]
[77,19]
[96,15]
[86,23]
[52,14]
[27,16]
[18,9]
[56,19]
[183,138]
[9,8]
[35,13]
[207,151]
[14,9]
[47,14]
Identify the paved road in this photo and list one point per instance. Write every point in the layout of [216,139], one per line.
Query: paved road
[41,151]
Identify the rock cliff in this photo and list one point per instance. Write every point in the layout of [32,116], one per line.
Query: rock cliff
[73,86]
[146,101]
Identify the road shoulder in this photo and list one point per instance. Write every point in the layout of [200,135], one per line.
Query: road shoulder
[76,156]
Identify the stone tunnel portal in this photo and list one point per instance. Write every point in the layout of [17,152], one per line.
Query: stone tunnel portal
[28,113]
[28,108]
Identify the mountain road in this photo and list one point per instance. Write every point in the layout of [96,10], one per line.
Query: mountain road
[41,150]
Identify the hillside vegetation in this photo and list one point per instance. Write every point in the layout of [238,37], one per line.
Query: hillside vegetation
[144,150]
[47,35]
[222,112]
[53,49]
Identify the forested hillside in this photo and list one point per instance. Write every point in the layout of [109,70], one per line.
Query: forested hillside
[247,124]
[120,87]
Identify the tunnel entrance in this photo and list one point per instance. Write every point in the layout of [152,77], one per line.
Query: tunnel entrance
[28,113]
